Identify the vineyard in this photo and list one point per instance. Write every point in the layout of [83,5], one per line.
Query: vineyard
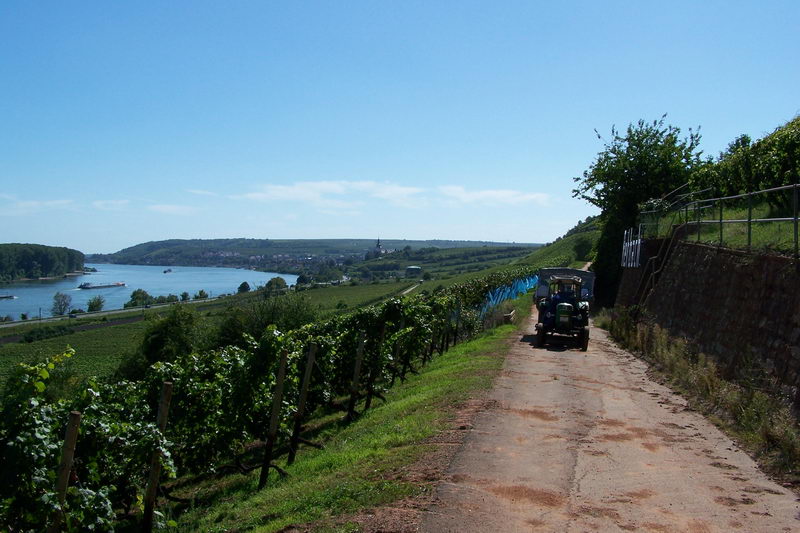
[233,408]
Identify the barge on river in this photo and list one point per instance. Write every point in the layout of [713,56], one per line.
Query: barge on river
[100,286]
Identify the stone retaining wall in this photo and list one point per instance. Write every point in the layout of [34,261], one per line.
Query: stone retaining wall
[734,306]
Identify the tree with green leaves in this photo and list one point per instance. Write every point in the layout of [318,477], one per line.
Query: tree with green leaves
[748,166]
[201,295]
[61,303]
[649,160]
[286,311]
[275,286]
[139,298]
[244,287]
[96,304]
[167,338]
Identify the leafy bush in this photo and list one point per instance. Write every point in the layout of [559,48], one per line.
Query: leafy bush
[139,298]
[96,304]
[111,455]
[172,336]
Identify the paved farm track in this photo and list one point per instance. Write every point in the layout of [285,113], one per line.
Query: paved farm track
[585,441]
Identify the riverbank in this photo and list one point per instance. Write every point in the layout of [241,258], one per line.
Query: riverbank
[36,296]
[45,278]
[282,272]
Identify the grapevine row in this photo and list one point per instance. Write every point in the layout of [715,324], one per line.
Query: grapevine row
[221,405]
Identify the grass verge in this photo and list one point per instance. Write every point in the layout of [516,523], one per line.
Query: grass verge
[355,470]
[747,405]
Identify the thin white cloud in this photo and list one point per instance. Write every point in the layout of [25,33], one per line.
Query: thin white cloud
[110,205]
[201,192]
[316,193]
[395,194]
[339,213]
[17,207]
[492,197]
[340,194]
[170,209]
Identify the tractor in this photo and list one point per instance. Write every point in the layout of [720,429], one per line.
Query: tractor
[562,298]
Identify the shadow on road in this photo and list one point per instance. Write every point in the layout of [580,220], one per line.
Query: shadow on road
[554,343]
[530,339]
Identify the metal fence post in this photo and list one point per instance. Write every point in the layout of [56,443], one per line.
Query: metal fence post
[624,248]
[639,248]
[720,222]
[697,213]
[795,223]
[749,220]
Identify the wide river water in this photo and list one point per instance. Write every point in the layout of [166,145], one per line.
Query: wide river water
[31,296]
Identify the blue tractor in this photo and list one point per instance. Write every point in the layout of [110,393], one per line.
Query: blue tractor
[562,299]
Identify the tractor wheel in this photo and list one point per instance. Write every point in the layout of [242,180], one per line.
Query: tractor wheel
[541,338]
[584,339]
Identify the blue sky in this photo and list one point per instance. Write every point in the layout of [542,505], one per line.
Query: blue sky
[125,123]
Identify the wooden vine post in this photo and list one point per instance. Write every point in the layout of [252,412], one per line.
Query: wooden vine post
[351,406]
[406,357]
[458,323]
[272,433]
[301,407]
[428,354]
[372,374]
[65,467]
[443,339]
[155,460]
[397,355]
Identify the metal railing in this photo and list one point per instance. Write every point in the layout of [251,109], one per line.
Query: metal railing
[631,248]
[764,220]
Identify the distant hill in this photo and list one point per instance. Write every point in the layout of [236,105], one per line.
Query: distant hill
[18,261]
[439,262]
[574,249]
[282,255]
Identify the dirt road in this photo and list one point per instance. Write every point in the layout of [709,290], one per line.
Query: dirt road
[584,441]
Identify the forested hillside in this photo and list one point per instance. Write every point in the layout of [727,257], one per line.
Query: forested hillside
[19,261]
[279,255]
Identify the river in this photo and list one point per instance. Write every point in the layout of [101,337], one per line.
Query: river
[35,296]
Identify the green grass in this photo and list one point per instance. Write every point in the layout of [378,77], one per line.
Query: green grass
[354,296]
[20,328]
[360,465]
[764,236]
